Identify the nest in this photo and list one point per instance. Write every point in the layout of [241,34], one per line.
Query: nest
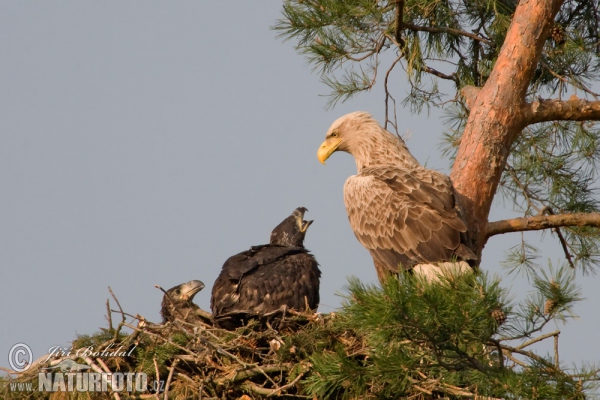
[183,360]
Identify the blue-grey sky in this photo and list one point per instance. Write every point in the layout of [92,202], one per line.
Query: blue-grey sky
[144,143]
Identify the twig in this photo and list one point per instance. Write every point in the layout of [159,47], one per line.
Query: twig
[389,96]
[451,77]
[499,348]
[556,356]
[513,359]
[525,353]
[168,384]
[289,385]
[107,370]
[159,337]
[187,378]
[399,17]
[109,315]
[250,373]
[538,339]
[96,368]
[565,80]
[548,211]
[123,319]
[118,304]
[447,30]
[157,378]
[268,392]
[103,365]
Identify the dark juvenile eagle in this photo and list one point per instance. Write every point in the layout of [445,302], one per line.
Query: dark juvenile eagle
[178,303]
[268,278]
[403,213]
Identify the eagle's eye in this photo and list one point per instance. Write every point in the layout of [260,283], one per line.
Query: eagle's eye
[334,134]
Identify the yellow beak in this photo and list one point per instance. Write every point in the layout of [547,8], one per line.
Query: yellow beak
[327,148]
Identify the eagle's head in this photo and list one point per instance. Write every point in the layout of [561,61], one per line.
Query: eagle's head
[291,231]
[179,297]
[359,134]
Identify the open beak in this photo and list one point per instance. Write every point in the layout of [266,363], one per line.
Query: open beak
[299,215]
[327,148]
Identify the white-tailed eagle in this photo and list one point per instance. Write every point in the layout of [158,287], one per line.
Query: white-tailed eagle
[403,213]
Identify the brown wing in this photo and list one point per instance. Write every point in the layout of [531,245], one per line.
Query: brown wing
[404,217]
[265,278]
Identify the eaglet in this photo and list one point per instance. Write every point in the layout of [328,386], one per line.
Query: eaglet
[403,213]
[178,303]
[268,279]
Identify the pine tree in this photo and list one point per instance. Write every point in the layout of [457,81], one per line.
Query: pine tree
[461,338]
[519,81]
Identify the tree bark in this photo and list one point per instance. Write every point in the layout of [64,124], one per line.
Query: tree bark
[573,109]
[496,115]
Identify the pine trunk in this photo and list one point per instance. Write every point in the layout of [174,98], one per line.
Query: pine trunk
[497,114]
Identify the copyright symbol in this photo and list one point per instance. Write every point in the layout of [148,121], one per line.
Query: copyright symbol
[20,357]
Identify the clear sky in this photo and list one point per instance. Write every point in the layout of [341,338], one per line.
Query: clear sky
[144,143]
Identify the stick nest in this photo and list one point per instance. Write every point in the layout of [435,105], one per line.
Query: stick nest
[184,360]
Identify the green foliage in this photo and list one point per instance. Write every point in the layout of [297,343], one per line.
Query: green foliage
[413,338]
[552,168]
[97,339]
[457,41]
[151,355]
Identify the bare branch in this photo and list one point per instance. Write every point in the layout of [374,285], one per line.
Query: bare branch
[574,109]
[439,74]
[169,378]
[109,316]
[446,30]
[389,96]
[399,16]
[566,81]
[157,376]
[563,242]
[542,222]
[539,339]
[556,355]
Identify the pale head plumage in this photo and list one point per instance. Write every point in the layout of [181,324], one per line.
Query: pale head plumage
[371,145]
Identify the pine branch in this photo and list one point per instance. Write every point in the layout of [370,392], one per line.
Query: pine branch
[452,31]
[399,16]
[574,109]
[451,77]
[542,222]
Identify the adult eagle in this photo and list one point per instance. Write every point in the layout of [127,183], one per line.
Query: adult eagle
[403,213]
[269,278]
[178,303]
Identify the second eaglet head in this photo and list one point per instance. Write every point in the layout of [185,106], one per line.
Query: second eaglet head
[291,231]
[179,297]
[185,292]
